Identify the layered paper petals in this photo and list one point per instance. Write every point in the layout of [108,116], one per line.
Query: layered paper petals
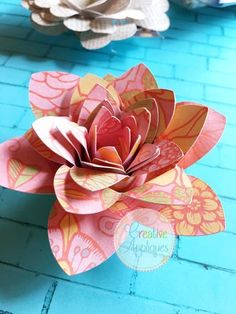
[108,146]
[132,82]
[94,90]
[165,100]
[169,156]
[75,199]
[23,169]
[48,132]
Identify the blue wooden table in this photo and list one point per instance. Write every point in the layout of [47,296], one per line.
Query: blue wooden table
[197,60]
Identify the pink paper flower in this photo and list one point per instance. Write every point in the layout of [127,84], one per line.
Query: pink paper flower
[105,147]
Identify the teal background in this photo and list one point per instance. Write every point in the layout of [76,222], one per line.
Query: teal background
[198,60]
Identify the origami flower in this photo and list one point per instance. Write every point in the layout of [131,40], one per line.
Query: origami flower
[105,147]
[98,22]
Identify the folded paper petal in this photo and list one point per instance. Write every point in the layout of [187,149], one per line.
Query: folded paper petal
[75,199]
[41,148]
[50,93]
[82,111]
[134,81]
[92,40]
[209,136]
[110,154]
[143,119]
[151,105]
[95,180]
[165,100]
[146,154]
[89,88]
[204,215]
[186,125]
[23,169]
[169,156]
[82,242]
[48,132]
[172,187]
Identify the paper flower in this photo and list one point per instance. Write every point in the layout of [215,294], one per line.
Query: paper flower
[105,147]
[193,4]
[98,22]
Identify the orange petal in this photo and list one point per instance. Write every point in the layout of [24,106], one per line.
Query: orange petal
[210,134]
[109,153]
[186,125]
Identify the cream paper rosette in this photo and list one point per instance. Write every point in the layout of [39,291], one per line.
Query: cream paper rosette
[98,22]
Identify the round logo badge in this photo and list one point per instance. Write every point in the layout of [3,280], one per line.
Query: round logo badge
[144,239]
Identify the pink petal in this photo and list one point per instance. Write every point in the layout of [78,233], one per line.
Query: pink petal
[151,105]
[147,153]
[88,105]
[130,121]
[98,163]
[170,154]
[47,131]
[23,169]
[75,199]
[95,116]
[82,242]
[91,88]
[41,148]
[209,136]
[134,81]
[101,117]
[76,135]
[50,93]
[132,151]
[143,119]
[113,133]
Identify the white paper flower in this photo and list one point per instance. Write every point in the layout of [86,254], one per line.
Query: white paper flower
[98,22]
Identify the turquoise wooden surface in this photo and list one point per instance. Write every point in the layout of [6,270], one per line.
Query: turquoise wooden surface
[197,60]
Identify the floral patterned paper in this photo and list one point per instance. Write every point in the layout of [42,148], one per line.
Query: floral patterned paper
[106,146]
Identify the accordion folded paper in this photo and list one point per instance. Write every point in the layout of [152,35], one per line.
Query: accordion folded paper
[98,22]
[106,146]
